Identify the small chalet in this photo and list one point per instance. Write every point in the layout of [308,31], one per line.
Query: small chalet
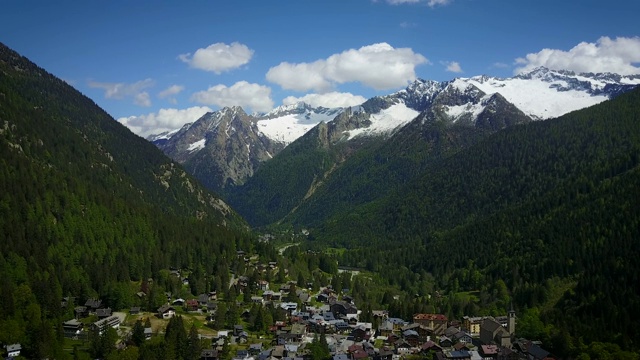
[430,346]
[255,349]
[298,331]
[343,308]
[386,328]
[135,310]
[462,337]
[209,354]
[72,327]
[461,346]
[263,285]
[385,353]
[192,305]
[531,350]
[203,299]
[178,302]
[402,347]
[13,350]
[81,312]
[459,355]
[445,341]
[237,330]
[358,334]
[93,304]
[412,337]
[397,323]
[103,313]
[166,311]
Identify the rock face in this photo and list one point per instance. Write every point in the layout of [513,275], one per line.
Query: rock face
[221,148]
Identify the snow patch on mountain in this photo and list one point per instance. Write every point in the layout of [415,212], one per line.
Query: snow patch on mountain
[196,146]
[387,120]
[544,93]
[289,122]
[537,98]
[474,109]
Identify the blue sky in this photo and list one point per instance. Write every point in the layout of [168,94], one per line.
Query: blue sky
[155,65]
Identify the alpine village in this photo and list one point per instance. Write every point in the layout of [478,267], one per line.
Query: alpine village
[483,236]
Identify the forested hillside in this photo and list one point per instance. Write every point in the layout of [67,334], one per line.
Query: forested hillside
[533,205]
[89,209]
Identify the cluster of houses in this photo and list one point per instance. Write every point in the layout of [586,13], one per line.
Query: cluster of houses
[430,335]
[74,328]
[337,318]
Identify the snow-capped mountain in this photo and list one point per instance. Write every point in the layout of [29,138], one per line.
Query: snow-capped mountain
[288,122]
[221,148]
[544,93]
[227,146]
[476,101]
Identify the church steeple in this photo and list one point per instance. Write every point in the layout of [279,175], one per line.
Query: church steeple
[511,321]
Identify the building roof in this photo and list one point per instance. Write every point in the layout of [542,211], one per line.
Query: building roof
[490,325]
[14,347]
[164,308]
[537,352]
[103,312]
[93,303]
[489,349]
[461,354]
[408,333]
[436,317]
[431,345]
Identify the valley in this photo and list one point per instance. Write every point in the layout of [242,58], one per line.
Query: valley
[477,217]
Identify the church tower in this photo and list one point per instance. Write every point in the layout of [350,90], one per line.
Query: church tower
[511,321]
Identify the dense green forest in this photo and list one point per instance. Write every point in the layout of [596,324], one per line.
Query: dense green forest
[88,209]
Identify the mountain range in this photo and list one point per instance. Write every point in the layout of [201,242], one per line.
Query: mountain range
[226,147]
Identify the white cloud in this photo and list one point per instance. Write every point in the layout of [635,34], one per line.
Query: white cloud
[329,100]
[142,99]
[379,66]
[219,57]
[300,77]
[500,65]
[452,66]
[253,96]
[431,3]
[171,90]
[605,55]
[124,90]
[163,120]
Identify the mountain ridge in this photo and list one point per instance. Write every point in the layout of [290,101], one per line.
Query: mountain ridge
[537,95]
